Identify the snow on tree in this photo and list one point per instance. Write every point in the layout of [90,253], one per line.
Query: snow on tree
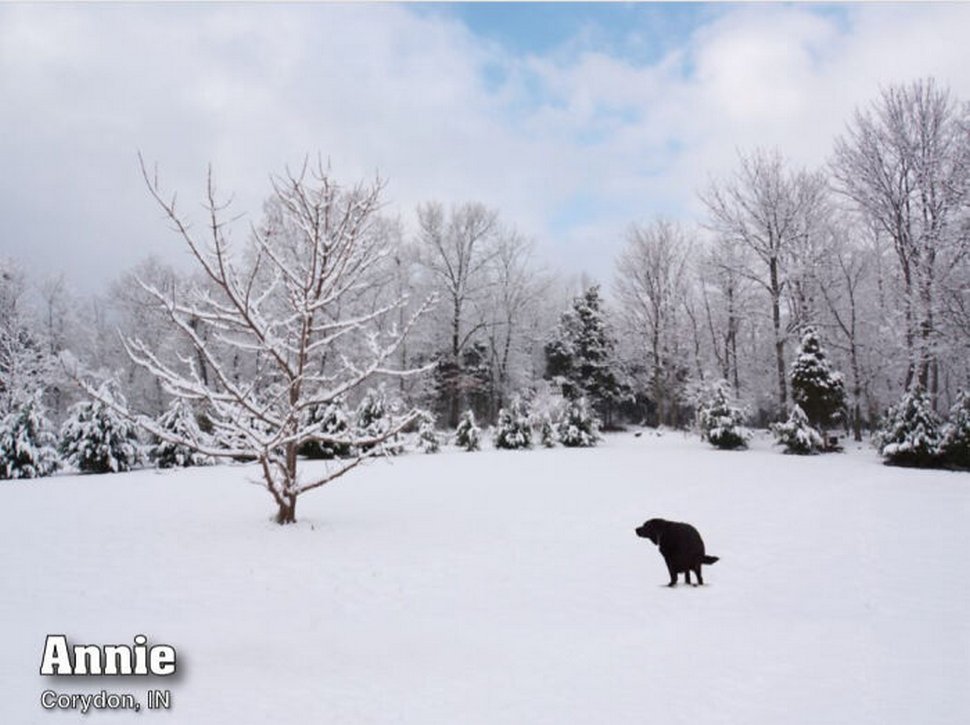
[96,437]
[955,442]
[333,420]
[513,430]
[769,211]
[797,435]
[904,161]
[721,422]
[28,445]
[911,433]
[374,418]
[581,356]
[282,325]
[577,427]
[817,389]
[546,430]
[428,439]
[179,420]
[456,249]
[651,282]
[467,434]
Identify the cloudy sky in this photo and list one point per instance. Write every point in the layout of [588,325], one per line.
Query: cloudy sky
[573,120]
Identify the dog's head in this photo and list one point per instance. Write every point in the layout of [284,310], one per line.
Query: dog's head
[651,530]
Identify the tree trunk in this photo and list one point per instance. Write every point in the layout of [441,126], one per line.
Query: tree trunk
[287,510]
[779,339]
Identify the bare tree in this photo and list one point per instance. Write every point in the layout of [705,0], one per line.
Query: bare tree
[905,161]
[274,307]
[651,276]
[770,211]
[516,285]
[457,250]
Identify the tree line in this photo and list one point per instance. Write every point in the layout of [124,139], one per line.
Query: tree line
[326,296]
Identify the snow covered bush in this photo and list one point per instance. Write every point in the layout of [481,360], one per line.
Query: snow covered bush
[428,439]
[955,442]
[911,433]
[513,429]
[468,435]
[577,427]
[797,435]
[28,446]
[722,423]
[333,421]
[546,431]
[815,387]
[375,420]
[96,439]
[179,420]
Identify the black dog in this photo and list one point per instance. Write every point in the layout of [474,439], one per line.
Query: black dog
[680,545]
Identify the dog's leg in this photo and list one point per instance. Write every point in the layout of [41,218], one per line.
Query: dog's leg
[687,576]
[673,575]
[700,579]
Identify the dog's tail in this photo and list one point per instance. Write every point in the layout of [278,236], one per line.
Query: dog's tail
[710,559]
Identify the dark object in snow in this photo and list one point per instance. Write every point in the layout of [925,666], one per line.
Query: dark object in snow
[680,545]
[638,434]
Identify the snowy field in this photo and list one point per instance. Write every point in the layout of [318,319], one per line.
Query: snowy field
[505,587]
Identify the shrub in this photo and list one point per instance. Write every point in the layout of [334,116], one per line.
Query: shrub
[180,421]
[955,441]
[468,435]
[512,429]
[96,439]
[577,427]
[911,435]
[28,446]
[797,435]
[334,422]
[721,422]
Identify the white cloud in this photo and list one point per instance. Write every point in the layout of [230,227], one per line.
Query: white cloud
[570,146]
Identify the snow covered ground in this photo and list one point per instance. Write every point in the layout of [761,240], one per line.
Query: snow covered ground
[505,587]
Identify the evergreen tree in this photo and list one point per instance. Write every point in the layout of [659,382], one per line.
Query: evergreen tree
[428,439]
[581,356]
[546,431]
[28,446]
[180,421]
[911,434]
[816,388]
[468,435]
[797,435]
[512,429]
[95,439]
[955,443]
[722,423]
[578,427]
[374,419]
[334,422]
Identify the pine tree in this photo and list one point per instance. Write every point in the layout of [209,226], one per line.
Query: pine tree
[955,443]
[334,422]
[28,446]
[797,435]
[581,356]
[577,427]
[721,423]
[95,439]
[179,420]
[468,435]
[816,388]
[911,434]
[374,419]
[546,430]
[428,439]
[512,429]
